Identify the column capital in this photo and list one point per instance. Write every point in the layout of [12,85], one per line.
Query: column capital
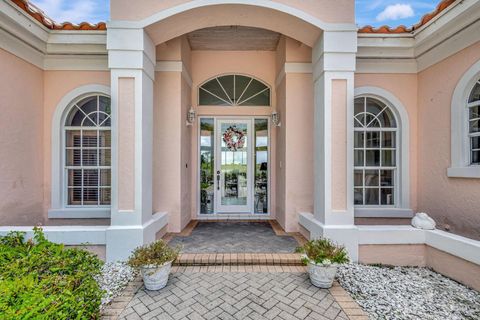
[132,49]
[335,51]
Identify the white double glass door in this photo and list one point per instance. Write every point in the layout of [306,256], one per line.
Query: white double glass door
[233,166]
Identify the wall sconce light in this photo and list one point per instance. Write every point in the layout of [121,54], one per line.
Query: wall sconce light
[276,119]
[191,114]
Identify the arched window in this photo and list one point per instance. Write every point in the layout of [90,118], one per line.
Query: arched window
[87,145]
[473,106]
[376,153]
[233,90]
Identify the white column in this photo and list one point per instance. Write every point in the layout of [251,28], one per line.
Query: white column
[131,56]
[333,62]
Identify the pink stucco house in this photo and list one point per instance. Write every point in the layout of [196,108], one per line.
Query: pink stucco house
[113,134]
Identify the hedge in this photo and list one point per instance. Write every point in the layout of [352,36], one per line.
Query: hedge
[43,280]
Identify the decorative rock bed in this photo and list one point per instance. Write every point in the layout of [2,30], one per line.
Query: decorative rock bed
[408,293]
[113,279]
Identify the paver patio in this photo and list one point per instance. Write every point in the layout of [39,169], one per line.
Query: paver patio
[238,237]
[235,295]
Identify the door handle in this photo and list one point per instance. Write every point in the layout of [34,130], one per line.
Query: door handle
[218,180]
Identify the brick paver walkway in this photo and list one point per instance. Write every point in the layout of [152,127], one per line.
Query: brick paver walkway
[238,237]
[235,295]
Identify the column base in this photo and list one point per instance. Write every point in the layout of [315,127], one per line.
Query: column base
[346,235]
[122,240]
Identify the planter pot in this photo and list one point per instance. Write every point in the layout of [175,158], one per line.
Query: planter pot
[156,277]
[322,276]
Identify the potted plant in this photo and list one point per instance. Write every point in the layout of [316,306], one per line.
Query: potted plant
[322,258]
[154,261]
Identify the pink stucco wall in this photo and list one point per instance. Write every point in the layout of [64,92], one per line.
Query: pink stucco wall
[453,202]
[404,88]
[21,143]
[326,10]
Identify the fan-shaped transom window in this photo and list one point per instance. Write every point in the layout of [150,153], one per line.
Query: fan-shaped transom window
[474,124]
[375,153]
[234,90]
[88,152]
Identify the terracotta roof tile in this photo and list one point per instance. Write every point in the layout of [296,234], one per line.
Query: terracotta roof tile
[41,17]
[444,4]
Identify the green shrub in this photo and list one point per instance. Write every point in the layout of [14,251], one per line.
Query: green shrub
[43,280]
[323,251]
[153,254]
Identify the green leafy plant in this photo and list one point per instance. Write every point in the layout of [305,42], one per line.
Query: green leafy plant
[323,251]
[155,254]
[43,280]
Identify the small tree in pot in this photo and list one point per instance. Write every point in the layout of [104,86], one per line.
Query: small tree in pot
[322,257]
[155,262]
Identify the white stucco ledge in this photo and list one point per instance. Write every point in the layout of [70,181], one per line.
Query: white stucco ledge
[68,235]
[464,172]
[383,213]
[79,213]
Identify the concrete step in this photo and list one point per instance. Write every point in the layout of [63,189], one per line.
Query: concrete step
[238,259]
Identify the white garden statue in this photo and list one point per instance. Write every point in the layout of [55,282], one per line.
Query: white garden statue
[423,221]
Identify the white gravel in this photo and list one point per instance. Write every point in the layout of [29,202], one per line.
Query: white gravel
[408,293]
[113,279]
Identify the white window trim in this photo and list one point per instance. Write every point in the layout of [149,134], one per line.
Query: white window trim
[58,208]
[460,145]
[402,207]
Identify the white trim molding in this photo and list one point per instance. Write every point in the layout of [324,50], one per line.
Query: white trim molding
[460,145]
[402,208]
[58,208]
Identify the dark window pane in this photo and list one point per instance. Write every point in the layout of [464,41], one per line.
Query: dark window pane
[372,158]
[260,99]
[387,196]
[386,178]
[358,155]
[359,120]
[476,142]
[387,120]
[475,95]
[388,158]
[89,138]
[227,84]
[388,139]
[261,166]
[105,157]
[209,88]
[206,99]
[241,83]
[374,106]
[72,138]
[373,139]
[475,157]
[371,178]
[371,196]
[105,138]
[359,136]
[475,112]
[207,151]
[474,126]
[358,196]
[371,121]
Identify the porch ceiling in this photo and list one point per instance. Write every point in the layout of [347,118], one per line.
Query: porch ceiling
[233,38]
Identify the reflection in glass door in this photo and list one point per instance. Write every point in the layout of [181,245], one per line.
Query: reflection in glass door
[234,165]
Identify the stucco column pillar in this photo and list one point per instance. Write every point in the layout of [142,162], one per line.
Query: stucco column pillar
[333,60]
[131,57]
